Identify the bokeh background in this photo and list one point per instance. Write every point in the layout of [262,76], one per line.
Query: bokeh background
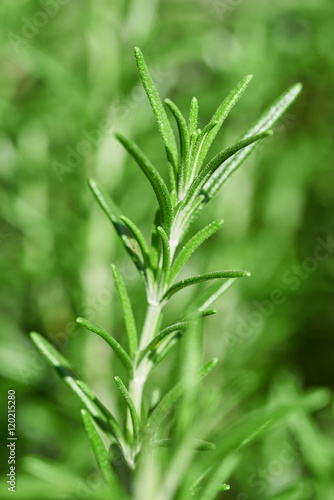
[68,80]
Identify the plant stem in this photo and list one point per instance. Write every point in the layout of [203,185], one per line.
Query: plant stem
[141,371]
[152,320]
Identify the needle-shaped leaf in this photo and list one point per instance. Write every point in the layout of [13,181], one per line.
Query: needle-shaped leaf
[113,214]
[154,178]
[203,277]
[160,354]
[212,294]
[101,414]
[196,314]
[181,125]
[197,444]
[191,246]
[199,144]
[168,402]
[184,139]
[266,121]
[127,311]
[219,159]
[165,128]
[191,349]
[132,409]
[221,114]
[166,252]
[155,240]
[231,150]
[139,238]
[191,215]
[250,427]
[100,451]
[119,351]
[164,342]
[193,115]
[162,335]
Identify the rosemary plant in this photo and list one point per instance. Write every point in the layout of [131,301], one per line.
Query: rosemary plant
[193,183]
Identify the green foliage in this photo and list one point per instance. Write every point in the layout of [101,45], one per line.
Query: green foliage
[193,183]
[127,311]
[120,352]
[100,451]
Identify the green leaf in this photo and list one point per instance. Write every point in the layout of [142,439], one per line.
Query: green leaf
[248,428]
[119,351]
[127,311]
[168,402]
[191,354]
[224,470]
[160,354]
[241,433]
[165,128]
[99,450]
[203,277]
[184,140]
[155,240]
[154,178]
[224,155]
[219,159]
[166,254]
[212,294]
[160,336]
[182,127]
[191,215]
[203,314]
[193,116]
[266,121]
[197,444]
[101,414]
[139,239]
[113,214]
[132,410]
[198,148]
[221,114]
[191,246]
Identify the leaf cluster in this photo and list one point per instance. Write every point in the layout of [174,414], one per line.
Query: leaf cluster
[193,182]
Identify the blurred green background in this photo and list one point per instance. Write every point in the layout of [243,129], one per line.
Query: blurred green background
[68,80]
